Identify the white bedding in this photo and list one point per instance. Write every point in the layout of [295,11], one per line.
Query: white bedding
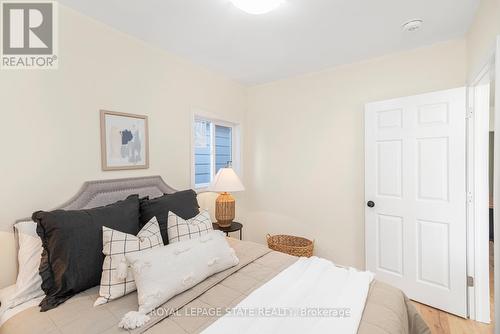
[310,285]
[9,313]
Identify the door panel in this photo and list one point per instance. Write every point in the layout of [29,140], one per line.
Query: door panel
[390,244]
[433,253]
[415,174]
[389,119]
[432,171]
[433,114]
[389,168]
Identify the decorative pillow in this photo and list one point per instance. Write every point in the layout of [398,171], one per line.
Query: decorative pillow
[180,229]
[117,280]
[182,203]
[72,246]
[29,283]
[164,272]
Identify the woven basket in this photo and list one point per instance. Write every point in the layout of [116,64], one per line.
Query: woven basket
[288,244]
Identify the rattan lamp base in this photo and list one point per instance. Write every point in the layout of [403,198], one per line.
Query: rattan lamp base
[224,209]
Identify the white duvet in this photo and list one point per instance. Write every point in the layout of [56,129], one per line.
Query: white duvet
[311,296]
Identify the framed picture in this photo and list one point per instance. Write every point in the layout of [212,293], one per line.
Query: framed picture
[124,141]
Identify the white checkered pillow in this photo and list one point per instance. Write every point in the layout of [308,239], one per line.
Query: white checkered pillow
[115,245]
[180,229]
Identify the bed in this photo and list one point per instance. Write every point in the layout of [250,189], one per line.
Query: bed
[387,309]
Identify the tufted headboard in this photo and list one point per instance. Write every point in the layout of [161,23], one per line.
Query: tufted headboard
[102,192]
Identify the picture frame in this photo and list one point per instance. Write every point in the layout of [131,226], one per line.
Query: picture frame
[124,141]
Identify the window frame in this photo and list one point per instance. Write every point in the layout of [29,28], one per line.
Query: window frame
[235,146]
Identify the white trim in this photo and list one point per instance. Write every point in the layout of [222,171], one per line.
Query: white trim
[478,194]
[496,191]
[477,234]
[487,61]
[236,141]
[470,206]
[212,150]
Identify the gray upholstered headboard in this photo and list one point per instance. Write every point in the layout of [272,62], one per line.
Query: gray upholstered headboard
[102,192]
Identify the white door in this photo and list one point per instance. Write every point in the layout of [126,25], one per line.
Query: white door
[415,189]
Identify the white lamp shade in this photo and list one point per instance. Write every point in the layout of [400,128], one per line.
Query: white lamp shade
[226,180]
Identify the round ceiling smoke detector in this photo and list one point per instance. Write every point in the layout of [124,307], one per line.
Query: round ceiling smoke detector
[257,7]
[413,25]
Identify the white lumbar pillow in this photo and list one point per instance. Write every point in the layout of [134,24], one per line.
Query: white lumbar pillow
[164,272]
[180,229]
[117,280]
[29,282]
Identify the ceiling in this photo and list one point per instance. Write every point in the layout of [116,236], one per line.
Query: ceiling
[299,37]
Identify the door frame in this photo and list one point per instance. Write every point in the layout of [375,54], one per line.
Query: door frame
[478,126]
[496,186]
[477,172]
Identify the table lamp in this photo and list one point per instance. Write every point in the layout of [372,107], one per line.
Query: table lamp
[225,181]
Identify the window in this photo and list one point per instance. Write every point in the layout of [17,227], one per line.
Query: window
[213,149]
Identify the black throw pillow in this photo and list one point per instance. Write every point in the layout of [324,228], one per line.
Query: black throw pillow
[72,255]
[183,203]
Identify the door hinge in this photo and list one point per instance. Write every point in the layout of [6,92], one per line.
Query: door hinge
[470,197]
[470,281]
[470,113]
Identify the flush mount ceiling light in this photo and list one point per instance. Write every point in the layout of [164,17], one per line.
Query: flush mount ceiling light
[257,7]
[412,25]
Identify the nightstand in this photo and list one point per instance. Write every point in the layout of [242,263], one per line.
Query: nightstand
[235,226]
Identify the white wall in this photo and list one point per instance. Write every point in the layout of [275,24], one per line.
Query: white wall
[304,154]
[50,119]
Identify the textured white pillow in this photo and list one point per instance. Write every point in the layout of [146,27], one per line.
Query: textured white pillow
[180,229]
[117,280]
[29,282]
[164,272]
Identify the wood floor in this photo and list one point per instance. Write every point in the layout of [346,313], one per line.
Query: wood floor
[443,323]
